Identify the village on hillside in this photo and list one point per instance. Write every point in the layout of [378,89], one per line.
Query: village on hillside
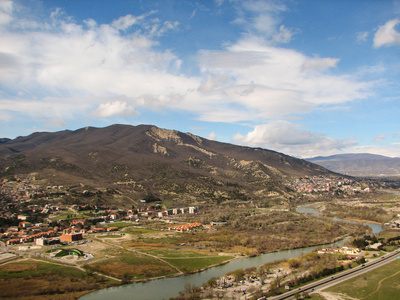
[25,221]
[22,222]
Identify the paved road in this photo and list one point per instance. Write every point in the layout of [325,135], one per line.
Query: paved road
[343,276]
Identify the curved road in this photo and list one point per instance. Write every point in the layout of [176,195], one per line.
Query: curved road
[342,276]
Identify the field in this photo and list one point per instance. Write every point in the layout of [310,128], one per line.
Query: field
[382,283]
[128,266]
[189,261]
[36,279]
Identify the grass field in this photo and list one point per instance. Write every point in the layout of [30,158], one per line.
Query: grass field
[188,261]
[112,236]
[69,215]
[119,224]
[135,265]
[133,230]
[39,280]
[195,264]
[379,284]
[30,268]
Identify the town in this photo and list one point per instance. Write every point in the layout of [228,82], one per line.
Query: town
[47,224]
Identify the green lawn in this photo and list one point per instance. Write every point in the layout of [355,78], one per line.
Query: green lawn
[379,284]
[194,264]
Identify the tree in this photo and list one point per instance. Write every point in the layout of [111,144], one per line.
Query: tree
[238,274]
[294,263]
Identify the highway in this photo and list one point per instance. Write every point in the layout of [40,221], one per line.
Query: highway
[342,276]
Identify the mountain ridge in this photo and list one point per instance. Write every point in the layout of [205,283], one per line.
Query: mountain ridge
[360,164]
[145,159]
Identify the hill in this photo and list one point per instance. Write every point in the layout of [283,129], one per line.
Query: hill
[149,161]
[360,164]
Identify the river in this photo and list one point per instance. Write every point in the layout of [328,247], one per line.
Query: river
[308,209]
[170,287]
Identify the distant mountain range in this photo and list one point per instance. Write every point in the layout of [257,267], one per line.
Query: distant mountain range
[146,159]
[361,164]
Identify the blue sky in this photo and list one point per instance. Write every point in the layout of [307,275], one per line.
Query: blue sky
[305,78]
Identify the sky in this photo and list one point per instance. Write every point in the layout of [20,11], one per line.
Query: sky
[302,77]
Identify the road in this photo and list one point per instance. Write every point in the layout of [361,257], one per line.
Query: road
[343,276]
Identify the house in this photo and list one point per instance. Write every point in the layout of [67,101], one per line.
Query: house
[193,209]
[25,224]
[114,216]
[328,251]
[78,221]
[185,227]
[112,229]
[13,242]
[71,237]
[97,230]
[350,250]
[162,214]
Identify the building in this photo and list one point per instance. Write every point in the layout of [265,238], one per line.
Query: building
[71,237]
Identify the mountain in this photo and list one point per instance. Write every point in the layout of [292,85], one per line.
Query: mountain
[361,164]
[147,160]
[4,140]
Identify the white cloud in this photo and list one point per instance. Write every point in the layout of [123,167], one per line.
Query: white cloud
[286,137]
[71,60]
[55,123]
[125,22]
[212,136]
[320,64]
[284,35]
[271,82]
[262,18]
[379,138]
[362,36]
[116,69]
[6,7]
[114,108]
[386,35]
[48,108]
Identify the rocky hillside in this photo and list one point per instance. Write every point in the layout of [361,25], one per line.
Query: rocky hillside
[360,164]
[144,159]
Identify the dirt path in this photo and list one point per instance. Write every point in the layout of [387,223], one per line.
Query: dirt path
[335,296]
[69,265]
[139,252]
[380,284]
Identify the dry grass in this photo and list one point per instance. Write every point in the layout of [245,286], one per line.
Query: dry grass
[19,267]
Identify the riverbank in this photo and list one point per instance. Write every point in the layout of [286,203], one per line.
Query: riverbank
[169,287]
[361,221]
